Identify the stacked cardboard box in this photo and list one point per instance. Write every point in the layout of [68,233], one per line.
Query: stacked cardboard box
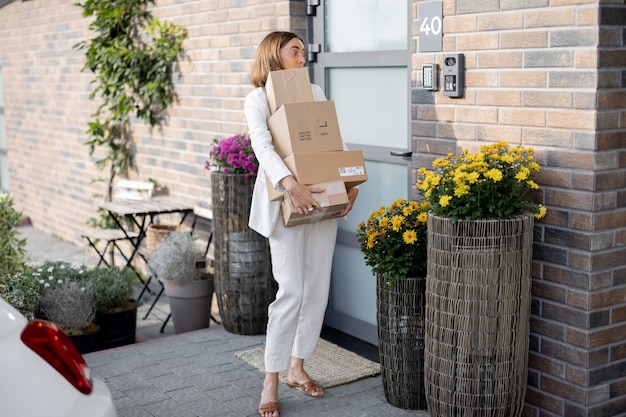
[305,133]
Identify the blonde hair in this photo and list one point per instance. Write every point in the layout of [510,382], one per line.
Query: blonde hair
[268,56]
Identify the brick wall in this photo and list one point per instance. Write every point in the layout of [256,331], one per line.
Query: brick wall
[47,105]
[551,75]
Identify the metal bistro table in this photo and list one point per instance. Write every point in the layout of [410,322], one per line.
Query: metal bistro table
[142,214]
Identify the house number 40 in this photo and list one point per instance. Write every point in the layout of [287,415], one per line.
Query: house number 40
[431,26]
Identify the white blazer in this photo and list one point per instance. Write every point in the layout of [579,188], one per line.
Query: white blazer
[263,212]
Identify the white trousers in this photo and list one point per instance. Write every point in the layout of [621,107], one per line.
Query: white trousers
[302,258]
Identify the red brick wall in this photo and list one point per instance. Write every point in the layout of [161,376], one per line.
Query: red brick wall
[551,75]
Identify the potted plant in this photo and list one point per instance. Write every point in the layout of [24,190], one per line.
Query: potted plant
[13,255]
[22,291]
[116,311]
[244,285]
[178,263]
[480,238]
[394,244]
[233,155]
[68,300]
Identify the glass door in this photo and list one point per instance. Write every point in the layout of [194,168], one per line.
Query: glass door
[363,64]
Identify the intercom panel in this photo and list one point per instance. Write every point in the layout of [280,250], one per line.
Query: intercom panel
[453,75]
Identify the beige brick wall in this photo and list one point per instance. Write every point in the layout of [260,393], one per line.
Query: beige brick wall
[550,75]
[47,106]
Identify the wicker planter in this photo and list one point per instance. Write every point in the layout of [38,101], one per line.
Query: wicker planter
[477,316]
[400,317]
[244,285]
[157,232]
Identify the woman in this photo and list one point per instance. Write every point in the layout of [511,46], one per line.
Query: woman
[301,255]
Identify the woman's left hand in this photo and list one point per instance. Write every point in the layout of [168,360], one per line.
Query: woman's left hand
[352,193]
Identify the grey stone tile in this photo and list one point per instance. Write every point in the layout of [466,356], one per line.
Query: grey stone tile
[146,395]
[171,382]
[133,412]
[187,395]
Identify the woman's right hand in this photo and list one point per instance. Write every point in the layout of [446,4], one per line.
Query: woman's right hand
[301,195]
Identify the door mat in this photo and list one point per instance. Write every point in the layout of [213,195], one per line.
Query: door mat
[331,366]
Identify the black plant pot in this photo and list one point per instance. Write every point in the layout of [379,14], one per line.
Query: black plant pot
[117,328]
[85,340]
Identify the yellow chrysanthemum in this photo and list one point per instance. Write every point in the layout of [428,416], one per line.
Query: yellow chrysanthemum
[542,212]
[409,237]
[444,200]
[521,175]
[461,190]
[371,240]
[383,222]
[396,222]
[422,217]
[494,174]
[532,184]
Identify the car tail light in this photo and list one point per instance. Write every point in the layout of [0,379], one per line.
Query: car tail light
[48,341]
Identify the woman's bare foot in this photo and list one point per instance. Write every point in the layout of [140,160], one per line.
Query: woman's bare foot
[268,406]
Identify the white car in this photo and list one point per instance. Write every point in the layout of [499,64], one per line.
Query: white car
[43,375]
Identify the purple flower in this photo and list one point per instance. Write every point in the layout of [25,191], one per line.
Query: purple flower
[233,155]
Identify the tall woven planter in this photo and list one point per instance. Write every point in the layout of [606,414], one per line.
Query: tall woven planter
[244,285]
[477,316]
[400,317]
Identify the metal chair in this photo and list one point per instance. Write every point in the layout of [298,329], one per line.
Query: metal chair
[122,190]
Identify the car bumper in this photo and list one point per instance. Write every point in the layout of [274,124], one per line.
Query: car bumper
[100,403]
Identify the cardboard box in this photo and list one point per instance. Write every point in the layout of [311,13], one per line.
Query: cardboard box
[288,86]
[332,200]
[316,167]
[305,127]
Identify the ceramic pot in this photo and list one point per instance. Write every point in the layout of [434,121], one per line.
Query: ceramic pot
[190,303]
